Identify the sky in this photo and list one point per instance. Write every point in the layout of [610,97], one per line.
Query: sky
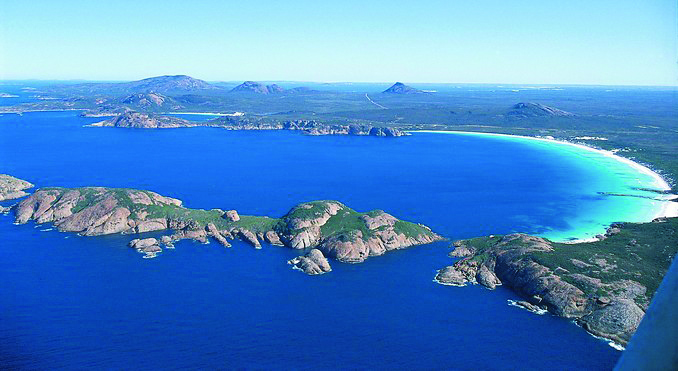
[597,42]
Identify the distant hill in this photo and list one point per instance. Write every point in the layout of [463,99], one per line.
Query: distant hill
[148,100]
[177,84]
[164,84]
[400,88]
[302,89]
[531,109]
[258,88]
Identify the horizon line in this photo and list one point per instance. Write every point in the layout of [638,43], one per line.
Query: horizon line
[675,85]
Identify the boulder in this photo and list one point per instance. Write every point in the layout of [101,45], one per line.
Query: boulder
[529,306]
[232,215]
[142,243]
[214,232]
[148,246]
[167,241]
[487,278]
[313,263]
[249,237]
[199,235]
[451,276]
[273,238]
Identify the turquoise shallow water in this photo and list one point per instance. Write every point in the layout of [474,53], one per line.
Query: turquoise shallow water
[619,191]
[80,302]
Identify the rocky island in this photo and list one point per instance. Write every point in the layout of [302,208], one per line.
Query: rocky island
[12,188]
[311,127]
[326,228]
[605,285]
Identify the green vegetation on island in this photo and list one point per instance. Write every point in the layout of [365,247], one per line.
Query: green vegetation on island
[329,226]
[138,120]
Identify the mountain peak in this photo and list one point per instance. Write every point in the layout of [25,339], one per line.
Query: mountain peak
[258,88]
[400,88]
[531,109]
[168,83]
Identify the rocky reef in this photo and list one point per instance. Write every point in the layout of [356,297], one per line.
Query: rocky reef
[12,188]
[605,285]
[332,228]
[148,246]
[313,263]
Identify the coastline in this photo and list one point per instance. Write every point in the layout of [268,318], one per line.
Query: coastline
[666,209]
[20,112]
[234,114]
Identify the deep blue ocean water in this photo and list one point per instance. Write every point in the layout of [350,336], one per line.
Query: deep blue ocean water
[91,302]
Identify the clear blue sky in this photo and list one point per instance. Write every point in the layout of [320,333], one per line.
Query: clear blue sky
[471,41]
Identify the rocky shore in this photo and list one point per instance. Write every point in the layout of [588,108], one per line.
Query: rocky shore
[311,127]
[328,227]
[605,286]
[313,263]
[346,235]
[12,188]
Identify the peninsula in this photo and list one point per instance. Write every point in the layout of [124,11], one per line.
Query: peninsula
[604,285]
[311,127]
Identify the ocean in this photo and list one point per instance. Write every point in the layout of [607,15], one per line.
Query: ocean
[91,302]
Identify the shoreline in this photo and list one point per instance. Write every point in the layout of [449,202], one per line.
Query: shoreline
[234,114]
[41,110]
[18,112]
[660,182]
[668,209]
